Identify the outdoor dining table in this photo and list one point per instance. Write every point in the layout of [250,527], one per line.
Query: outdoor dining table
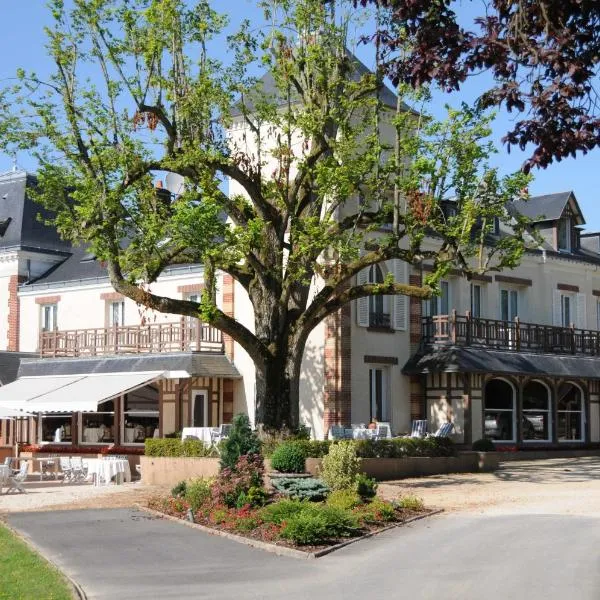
[103,470]
[201,433]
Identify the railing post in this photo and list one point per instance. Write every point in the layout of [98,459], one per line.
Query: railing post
[468,332]
[572,338]
[198,335]
[453,327]
[517,334]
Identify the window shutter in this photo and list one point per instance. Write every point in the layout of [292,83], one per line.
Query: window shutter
[362,304]
[400,301]
[580,320]
[556,309]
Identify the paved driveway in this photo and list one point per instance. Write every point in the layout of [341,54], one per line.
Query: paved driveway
[123,553]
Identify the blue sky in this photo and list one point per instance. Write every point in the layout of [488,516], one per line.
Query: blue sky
[22,45]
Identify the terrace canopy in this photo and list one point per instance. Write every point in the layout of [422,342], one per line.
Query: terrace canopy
[70,393]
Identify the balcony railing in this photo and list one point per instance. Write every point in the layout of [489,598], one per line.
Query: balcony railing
[517,336]
[186,335]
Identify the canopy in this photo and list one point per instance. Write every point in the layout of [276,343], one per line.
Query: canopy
[71,393]
[9,413]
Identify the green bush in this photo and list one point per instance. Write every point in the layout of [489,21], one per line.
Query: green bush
[241,441]
[288,458]
[281,510]
[483,445]
[366,487]
[307,488]
[177,448]
[255,496]
[197,493]
[344,499]
[377,511]
[340,467]
[178,491]
[410,503]
[316,524]
[313,448]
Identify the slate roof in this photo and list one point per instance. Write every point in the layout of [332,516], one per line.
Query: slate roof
[548,207]
[197,364]
[477,360]
[9,365]
[24,230]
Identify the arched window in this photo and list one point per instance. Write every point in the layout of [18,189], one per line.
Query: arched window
[499,411]
[535,423]
[379,306]
[569,414]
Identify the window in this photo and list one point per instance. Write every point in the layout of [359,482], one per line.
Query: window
[569,414]
[509,305]
[499,411]
[379,306]
[116,313]
[439,305]
[475,300]
[98,427]
[378,395]
[565,310]
[140,415]
[200,409]
[563,234]
[49,314]
[535,423]
[56,428]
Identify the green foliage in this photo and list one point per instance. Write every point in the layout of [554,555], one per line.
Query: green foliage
[483,445]
[281,511]
[410,503]
[344,499]
[313,448]
[177,448]
[377,511]
[288,458]
[178,491]
[366,487]
[255,497]
[242,440]
[404,447]
[306,488]
[198,493]
[340,467]
[232,483]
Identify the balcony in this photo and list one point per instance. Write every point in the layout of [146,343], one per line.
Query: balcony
[515,336]
[184,336]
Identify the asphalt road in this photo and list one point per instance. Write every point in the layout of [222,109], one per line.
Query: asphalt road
[122,553]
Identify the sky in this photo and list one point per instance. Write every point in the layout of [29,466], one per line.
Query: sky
[22,45]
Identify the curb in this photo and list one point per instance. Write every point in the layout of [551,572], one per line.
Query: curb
[77,590]
[283,550]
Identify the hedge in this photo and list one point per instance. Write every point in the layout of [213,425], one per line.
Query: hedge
[175,447]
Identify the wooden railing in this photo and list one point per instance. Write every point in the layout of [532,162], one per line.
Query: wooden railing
[186,335]
[464,330]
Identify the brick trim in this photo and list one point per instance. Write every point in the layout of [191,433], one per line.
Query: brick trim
[383,360]
[47,300]
[566,287]
[190,288]
[14,310]
[513,280]
[228,309]
[112,296]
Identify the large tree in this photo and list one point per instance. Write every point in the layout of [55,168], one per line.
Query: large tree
[544,56]
[327,179]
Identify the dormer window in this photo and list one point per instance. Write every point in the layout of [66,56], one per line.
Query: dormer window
[563,234]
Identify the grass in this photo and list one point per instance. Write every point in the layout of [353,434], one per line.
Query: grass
[24,575]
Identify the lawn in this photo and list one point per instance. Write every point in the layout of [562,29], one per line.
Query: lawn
[24,575]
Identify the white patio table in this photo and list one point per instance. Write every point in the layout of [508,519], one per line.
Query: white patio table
[103,470]
[202,433]
[4,475]
[362,433]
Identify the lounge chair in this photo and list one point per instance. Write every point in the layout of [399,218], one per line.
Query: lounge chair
[15,482]
[444,430]
[419,429]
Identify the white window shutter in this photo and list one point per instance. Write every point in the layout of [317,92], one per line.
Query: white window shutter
[557,309]
[580,320]
[401,302]
[362,304]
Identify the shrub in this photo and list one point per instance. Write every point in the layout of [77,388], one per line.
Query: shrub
[484,445]
[281,511]
[307,488]
[272,438]
[377,511]
[177,448]
[340,466]
[366,487]
[288,458]
[231,483]
[178,491]
[242,440]
[255,497]
[344,499]
[197,493]
[313,448]
[410,503]
[315,524]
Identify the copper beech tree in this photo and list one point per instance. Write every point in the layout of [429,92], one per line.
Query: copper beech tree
[326,177]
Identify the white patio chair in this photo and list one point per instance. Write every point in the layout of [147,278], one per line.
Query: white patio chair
[79,470]
[383,431]
[15,482]
[65,466]
[225,429]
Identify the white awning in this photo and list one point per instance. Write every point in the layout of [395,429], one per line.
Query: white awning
[76,393]
[11,413]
